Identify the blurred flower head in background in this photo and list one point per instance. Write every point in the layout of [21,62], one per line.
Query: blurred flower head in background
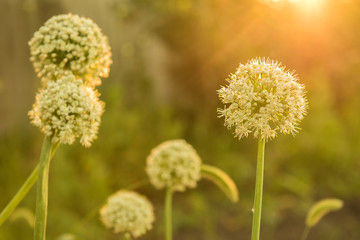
[128,212]
[262,98]
[174,164]
[69,44]
[67,109]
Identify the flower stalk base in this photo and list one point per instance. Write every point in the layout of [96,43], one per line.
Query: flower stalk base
[255,235]
[168,214]
[42,191]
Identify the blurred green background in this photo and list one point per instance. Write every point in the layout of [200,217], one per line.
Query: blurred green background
[170,57]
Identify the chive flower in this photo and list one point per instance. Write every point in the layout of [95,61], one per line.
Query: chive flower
[69,44]
[262,98]
[67,109]
[128,212]
[174,164]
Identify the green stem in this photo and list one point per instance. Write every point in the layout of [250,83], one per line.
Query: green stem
[255,235]
[168,213]
[305,233]
[42,191]
[23,191]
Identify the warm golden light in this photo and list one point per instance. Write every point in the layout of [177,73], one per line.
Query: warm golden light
[309,6]
[309,3]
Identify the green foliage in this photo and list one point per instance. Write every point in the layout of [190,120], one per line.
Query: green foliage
[222,180]
[67,236]
[168,62]
[322,208]
[25,214]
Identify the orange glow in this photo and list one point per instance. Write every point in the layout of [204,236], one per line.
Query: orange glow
[309,6]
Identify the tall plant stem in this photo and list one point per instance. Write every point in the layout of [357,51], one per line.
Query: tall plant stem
[42,191]
[305,233]
[23,191]
[255,235]
[168,214]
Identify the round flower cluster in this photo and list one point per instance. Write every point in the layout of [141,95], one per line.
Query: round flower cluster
[67,109]
[128,212]
[263,98]
[69,44]
[174,164]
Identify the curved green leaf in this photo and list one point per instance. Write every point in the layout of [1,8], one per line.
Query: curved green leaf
[67,236]
[23,213]
[220,179]
[321,208]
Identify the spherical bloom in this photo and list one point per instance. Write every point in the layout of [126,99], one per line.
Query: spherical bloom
[262,98]
[174,164]
[69,44]
[67,109]
[128,212]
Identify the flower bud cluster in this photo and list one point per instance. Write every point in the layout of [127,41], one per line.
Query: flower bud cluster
[70,45]
[128,212]
[262,98]
[174,164]
[69,54]
[66,109]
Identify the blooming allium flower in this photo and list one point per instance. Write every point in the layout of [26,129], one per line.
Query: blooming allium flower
[67,109]
[69,44]
[174,164]
[262,98]
[128,212]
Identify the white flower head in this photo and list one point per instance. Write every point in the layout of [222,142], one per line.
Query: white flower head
[69,44]
[262,98]
[66,109]
[128,212]
[174,164]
